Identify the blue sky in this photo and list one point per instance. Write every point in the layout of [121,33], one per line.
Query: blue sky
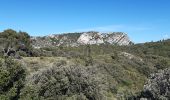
[143,20]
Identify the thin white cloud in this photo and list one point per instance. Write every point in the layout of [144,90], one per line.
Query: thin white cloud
[101,28]
[166,36]
[113,28]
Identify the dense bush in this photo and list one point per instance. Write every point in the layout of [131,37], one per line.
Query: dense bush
[12,76]
[65,82]
[161,64]
[22,53]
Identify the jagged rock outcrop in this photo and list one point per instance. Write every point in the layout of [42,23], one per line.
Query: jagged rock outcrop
[99,38]
[76,39]
[90,38]
[117,38]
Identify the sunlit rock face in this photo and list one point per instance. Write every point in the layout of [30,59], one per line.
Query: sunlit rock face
[91,38]
[117,38]
[100,38]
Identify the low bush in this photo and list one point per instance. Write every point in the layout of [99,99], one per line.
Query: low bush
[63,82]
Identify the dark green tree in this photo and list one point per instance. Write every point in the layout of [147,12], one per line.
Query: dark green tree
[12,41]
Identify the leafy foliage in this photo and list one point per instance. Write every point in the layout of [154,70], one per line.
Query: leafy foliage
[12,41]
[12,79]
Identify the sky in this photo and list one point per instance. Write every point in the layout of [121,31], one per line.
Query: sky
[142,20]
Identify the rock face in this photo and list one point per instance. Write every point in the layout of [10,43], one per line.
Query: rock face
[99,38]
[118,38]
[90,38]
[76,39]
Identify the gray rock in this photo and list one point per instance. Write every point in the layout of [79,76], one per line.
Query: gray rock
[158,86]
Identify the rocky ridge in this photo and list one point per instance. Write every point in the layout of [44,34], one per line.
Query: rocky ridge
[84,38]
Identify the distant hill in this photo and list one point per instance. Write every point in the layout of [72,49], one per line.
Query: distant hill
[76,39]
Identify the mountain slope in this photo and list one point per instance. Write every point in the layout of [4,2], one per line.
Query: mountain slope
[76,39]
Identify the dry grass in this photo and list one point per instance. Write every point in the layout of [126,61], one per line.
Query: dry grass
[34,64]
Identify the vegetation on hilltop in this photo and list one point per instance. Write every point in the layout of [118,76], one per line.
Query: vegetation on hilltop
[12,42]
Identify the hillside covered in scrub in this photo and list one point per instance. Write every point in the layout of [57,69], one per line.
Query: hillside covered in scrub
[41,69]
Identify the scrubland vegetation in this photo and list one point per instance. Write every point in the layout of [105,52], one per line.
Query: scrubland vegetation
[87,72]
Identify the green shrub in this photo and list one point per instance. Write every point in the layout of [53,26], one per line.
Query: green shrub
[64,82]
[60,63]
[12,76]
[22,53]
[41,58]
[36,53]
[161,64]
